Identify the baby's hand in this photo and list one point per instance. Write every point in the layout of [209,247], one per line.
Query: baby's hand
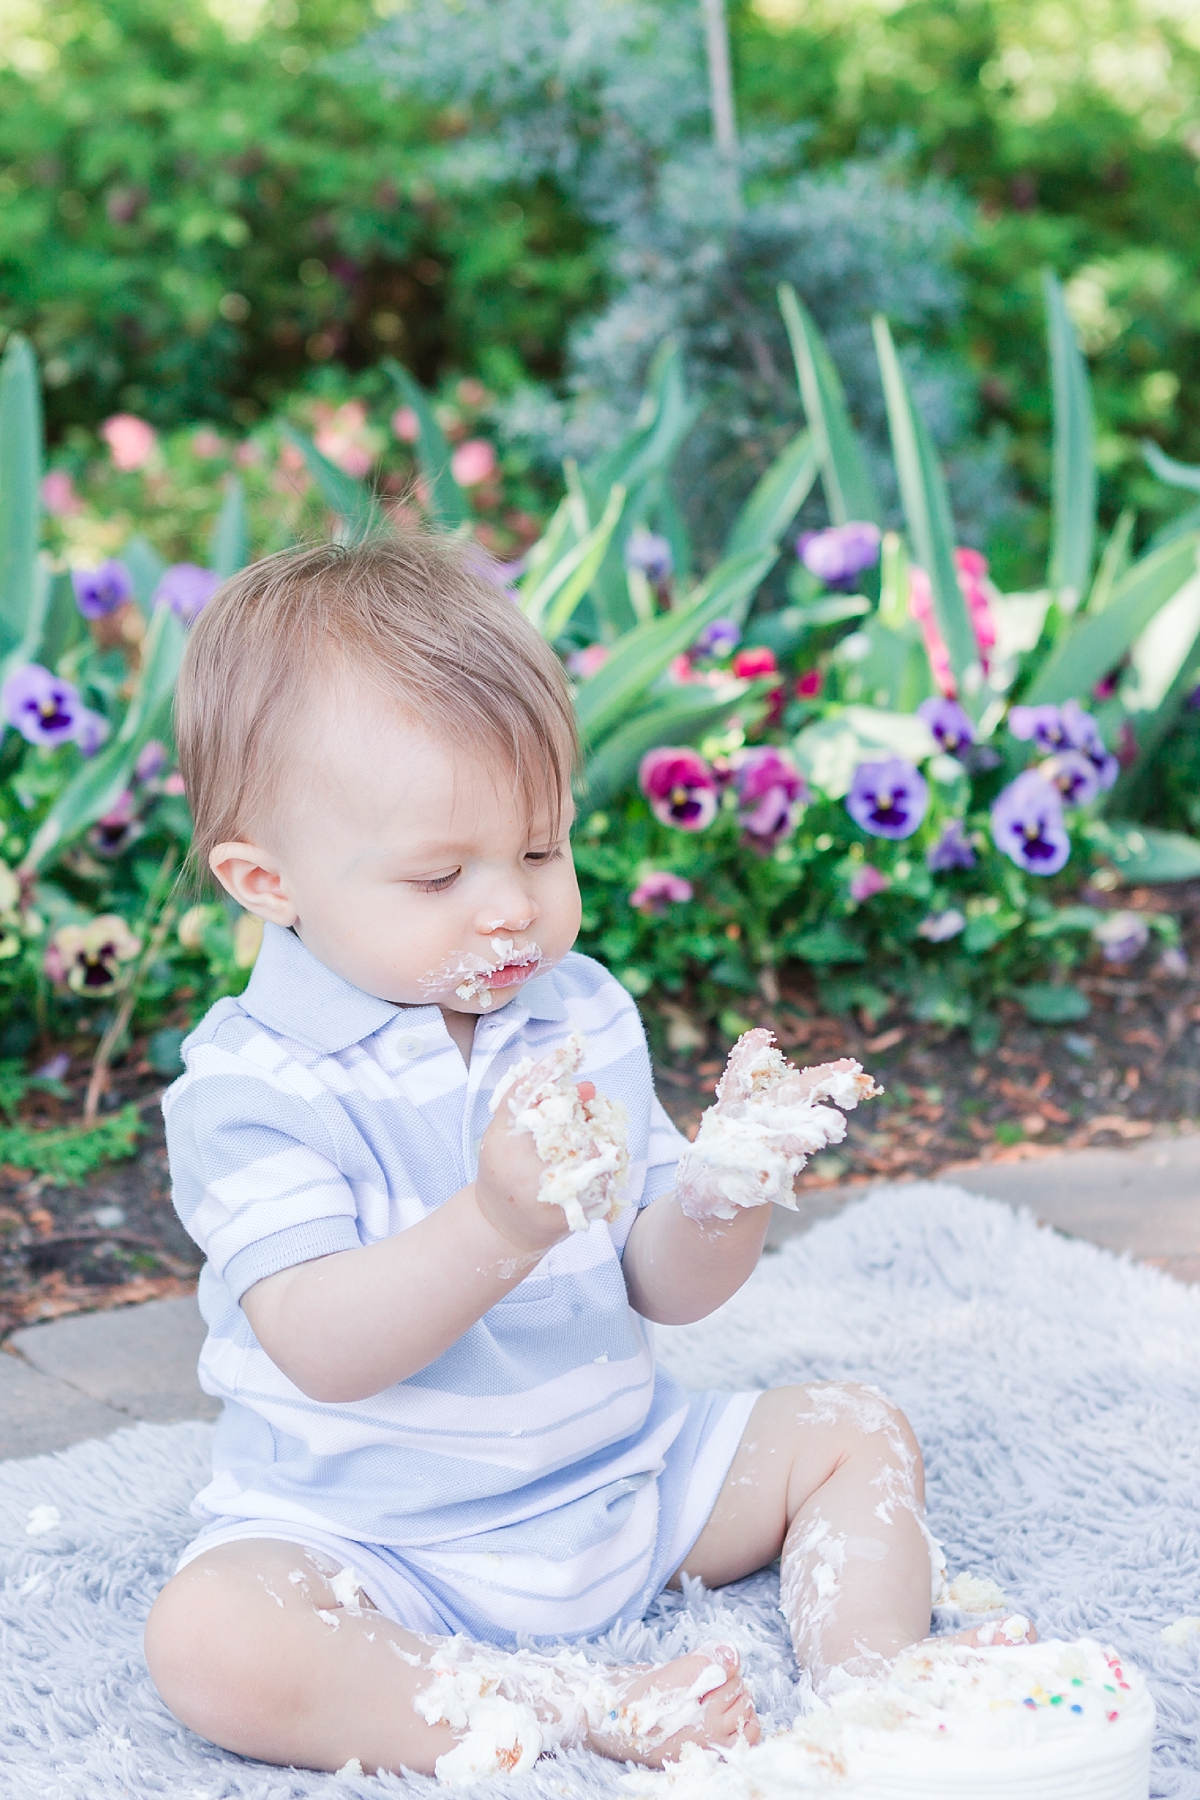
[506,1186]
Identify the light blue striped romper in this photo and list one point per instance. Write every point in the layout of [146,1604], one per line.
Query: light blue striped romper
[539,1479]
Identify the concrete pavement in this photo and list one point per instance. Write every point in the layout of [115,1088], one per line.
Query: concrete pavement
[86,1375]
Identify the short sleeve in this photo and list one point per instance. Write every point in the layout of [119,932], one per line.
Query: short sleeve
[254,1175]
[666,1146]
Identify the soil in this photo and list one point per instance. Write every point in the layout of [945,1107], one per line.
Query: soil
[1130,1067]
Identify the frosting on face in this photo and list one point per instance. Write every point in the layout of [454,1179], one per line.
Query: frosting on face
[767,1122]
[468,976]
[583,1143]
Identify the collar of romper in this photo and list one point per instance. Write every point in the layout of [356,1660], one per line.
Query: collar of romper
[291,993]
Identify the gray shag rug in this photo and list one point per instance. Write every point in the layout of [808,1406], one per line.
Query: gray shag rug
[1055,1389]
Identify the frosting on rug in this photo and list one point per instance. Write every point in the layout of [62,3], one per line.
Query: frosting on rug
[1048,1721]
[582,1142]
[767,1122]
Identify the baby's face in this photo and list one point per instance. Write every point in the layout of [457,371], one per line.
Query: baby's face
[409,867]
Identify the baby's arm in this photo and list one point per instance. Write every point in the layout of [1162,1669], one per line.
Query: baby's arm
[349,1325]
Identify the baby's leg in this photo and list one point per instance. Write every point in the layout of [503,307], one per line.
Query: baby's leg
[831,1477]
[250,1647]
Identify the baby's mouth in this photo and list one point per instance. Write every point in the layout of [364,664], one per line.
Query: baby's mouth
[474,977]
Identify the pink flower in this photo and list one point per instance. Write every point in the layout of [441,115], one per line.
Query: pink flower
[585,662]
[920,606]
[770,793]
[867,882]
[406,425]
[810,684]
[658,890]
[248,454]
[207,443]
[680,668]
[58,494]
[342,435]
[976,591]
[750,664]
[130,441]
[174,783]
[473,462]
[680,787]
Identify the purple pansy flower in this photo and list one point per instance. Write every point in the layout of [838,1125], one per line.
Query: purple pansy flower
[187,589]
[44,708]
[1073,775]
[1121,936]
[1083,734]
[116,829]
[839,555]
[719,639]
[91,731]
[770,790]
[658,890]
[949,724]
[651,553]
[888,798]
[1027,824]
[152,760]
[680,787]
[866,882]
[939,927]
[1041,724]
[953,850]
[101,591]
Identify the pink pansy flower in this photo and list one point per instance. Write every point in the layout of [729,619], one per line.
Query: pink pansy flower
[867,882]
[770,792]
[809,686]
[473,463]
[130,441]
[658,890]
[58,494]
[751,664]
[406,425]
[680,787]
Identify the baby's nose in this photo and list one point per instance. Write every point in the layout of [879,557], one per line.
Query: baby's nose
[490,926]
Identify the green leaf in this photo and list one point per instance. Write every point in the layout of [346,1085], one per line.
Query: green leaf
[1175,474]
[678,718]
[98,784]
[849,490]
[664,419]
[229,548]
[351,500]
[447,505]
[927,511]
[1114,560]
[830,749]
[1074,480]
[146,569]
[643,653]
[1050,1004]
[1094,646]
[828,943]
[20,483]
[551,603]
[776,499]
[67,1154]
[1140,854]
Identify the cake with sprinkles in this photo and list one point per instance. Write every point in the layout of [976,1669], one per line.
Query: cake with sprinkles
[1048,1721]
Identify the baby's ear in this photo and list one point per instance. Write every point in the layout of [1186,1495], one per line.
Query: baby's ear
[252,876]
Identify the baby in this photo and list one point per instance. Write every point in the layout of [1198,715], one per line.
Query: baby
[444,1438]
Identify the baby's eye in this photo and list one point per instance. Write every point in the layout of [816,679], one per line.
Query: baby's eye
[539,857]
[437,886]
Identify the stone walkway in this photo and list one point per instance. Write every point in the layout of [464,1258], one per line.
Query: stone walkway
[87,1375]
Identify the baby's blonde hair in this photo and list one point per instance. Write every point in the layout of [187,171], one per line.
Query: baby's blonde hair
[416,619]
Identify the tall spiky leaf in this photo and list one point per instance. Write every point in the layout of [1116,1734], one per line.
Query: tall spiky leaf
[351,500]
[1074,509]
[927,511]
[20,485]
[229,549]
[776,498]
[446,503]
[849,490]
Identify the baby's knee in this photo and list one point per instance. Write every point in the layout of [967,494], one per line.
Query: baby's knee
[858,1414]
[204,1655]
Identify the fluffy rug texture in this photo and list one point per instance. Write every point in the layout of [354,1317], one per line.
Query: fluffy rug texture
[1055,1389]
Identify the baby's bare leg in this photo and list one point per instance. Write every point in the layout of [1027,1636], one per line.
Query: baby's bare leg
[831,1477]
[251,1648]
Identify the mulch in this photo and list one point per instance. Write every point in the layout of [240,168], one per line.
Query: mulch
[1130,1067]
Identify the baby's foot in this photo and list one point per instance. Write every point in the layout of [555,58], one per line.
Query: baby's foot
[697,1699]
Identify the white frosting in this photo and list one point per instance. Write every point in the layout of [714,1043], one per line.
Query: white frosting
[1051,1721]
[583,1143]
[1178,1633]
[466,973]
[766,1124]
[511,1708]
[976,1594]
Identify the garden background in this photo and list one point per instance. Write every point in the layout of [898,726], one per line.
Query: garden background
[822,379]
